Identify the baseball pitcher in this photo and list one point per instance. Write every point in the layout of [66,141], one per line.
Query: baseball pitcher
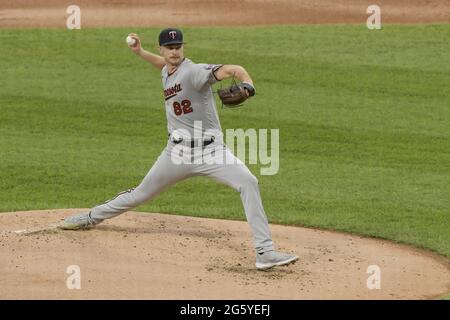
[194,134]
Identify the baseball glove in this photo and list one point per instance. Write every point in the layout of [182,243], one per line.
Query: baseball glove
[236,94]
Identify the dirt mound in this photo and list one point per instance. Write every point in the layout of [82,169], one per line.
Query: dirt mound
[103,13]
[155,256]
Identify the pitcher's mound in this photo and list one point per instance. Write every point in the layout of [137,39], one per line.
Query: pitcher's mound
[155,256]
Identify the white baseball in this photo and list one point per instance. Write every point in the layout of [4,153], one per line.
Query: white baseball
[131,41]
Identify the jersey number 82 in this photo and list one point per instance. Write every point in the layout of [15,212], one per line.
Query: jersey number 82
[184,107]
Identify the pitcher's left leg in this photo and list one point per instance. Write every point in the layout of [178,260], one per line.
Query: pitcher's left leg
[239,177]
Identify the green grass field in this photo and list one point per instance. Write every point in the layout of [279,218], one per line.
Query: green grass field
[364,119]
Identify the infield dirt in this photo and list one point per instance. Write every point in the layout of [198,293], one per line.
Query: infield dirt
[118,13]
[160,256]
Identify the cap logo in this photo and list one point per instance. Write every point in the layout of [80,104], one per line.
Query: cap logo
[173,34]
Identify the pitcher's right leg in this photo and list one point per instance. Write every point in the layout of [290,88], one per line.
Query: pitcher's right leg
[163,174]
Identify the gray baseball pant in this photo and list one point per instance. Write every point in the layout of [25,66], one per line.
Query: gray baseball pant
[165,172]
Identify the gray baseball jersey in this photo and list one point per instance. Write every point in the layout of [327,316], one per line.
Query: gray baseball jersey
[188,101]
[189,98]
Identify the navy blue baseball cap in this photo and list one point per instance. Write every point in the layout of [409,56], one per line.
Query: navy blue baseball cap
[170,36]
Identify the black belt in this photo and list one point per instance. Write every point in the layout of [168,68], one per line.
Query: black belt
[192,143]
